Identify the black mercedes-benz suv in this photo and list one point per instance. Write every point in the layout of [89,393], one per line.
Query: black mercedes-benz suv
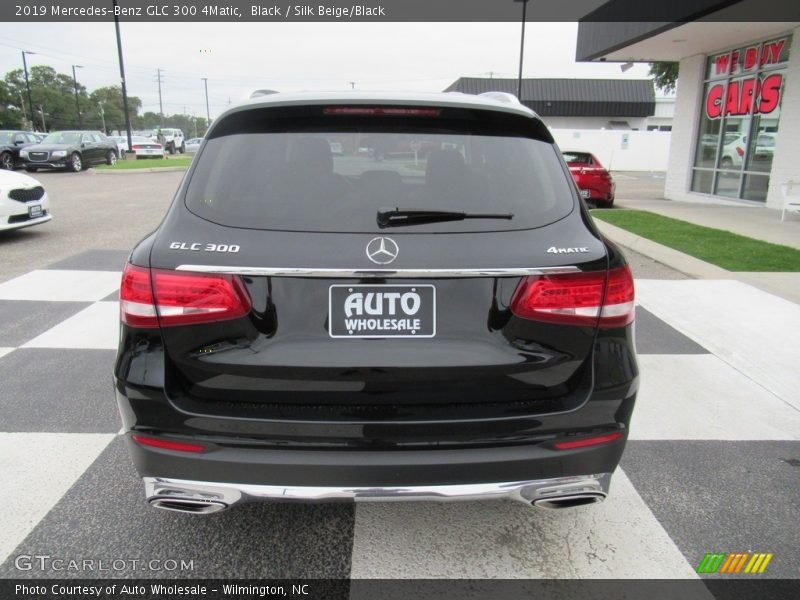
[426,313]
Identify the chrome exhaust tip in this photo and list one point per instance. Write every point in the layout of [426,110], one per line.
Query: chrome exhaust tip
[185,505]
[569,501]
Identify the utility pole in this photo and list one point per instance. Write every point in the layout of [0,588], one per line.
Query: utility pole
[103,116]
[77,102]
[122,76]
[521,49]
[28,83]
[160,103]
[41,112]
[24,116]
[208,112]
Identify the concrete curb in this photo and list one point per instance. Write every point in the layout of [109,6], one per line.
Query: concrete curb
[138,171]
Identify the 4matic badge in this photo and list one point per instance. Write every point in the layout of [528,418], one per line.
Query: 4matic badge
[554,250]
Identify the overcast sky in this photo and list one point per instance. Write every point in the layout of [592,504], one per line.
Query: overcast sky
[240,57]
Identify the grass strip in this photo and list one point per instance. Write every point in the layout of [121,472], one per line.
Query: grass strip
[722,248]
[148,163]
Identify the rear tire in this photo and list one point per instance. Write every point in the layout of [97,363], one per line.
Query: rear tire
[726,163]
[111,158]
[74,163]
[6,161]
[171,148]
[182,149]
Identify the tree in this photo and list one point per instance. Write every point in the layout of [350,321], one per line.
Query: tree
[52,93]
[11,115]
[110,98]
[665,75]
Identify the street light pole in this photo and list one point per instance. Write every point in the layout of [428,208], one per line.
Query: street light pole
[122,77]
[521,48]
[44,125]
[208,113]
[77,101]
[28,83]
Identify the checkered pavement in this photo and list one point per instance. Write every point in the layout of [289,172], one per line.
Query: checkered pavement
[713,461]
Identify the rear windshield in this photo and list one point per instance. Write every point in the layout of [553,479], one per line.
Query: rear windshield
[334,174]
[578,158]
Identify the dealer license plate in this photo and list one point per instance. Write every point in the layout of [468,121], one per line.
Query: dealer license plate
[380,311]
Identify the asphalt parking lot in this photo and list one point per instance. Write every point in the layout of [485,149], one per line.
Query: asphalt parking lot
[712,465]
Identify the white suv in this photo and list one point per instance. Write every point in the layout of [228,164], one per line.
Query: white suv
[173,140]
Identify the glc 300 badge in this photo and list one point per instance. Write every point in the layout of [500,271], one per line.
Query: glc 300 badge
[382,250]
[203,247]
[554,250]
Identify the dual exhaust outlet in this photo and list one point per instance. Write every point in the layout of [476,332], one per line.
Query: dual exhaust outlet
[200,498]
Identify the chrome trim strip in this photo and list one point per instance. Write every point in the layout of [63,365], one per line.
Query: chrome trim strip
[377,273]
[530,492]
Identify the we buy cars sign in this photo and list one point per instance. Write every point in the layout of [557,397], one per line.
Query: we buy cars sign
[750,95]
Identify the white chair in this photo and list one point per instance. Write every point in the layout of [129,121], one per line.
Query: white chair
[791,197]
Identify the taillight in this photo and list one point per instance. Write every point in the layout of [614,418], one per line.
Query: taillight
[153,297]
[136,146]
[739,150]
[593,298]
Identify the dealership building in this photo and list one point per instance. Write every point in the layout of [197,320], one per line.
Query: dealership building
[736,126]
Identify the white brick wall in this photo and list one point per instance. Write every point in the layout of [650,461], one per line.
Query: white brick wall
[688,103]
[786,162]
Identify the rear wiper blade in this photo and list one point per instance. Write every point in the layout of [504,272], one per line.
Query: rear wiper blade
[395,217]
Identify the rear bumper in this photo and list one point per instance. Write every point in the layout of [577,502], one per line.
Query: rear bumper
[203,497]
[363,469]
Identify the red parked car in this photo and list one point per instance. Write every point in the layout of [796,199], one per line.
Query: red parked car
[595,183]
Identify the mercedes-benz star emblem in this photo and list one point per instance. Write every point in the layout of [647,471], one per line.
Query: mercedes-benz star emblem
[382,250]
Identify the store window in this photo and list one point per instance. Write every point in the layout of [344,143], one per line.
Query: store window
[743,91]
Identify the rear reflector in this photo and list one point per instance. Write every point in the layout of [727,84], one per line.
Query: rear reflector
[168,444]
[149,298]
[595,298]
[590,441]
[381,111]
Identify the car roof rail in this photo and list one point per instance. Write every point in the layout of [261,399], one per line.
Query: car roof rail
[504,97]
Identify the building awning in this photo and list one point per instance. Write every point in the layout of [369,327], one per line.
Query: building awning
[571,97]
[607,34]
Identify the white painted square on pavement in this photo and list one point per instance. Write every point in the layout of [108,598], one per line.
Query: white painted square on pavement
[753,331]
[95,327]
[700,397]
[36,470]
[61,286]
[618,538]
